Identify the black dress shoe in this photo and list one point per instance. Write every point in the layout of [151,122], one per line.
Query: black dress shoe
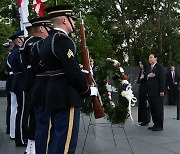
[157,129]
[151,128]
[143,124]
[21,145]
[12,138]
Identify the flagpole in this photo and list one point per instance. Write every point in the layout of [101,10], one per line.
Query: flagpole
[24,13]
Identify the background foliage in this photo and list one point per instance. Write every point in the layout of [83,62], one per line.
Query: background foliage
[122,29]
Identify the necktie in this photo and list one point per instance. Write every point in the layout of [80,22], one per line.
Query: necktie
[151,68]
[173,75]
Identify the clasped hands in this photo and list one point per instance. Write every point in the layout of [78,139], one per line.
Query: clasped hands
[151,75]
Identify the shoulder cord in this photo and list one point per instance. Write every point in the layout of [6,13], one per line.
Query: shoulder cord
[52,46]
[24,44]
[37,45]
[53,40]
[73,44]
[8,61]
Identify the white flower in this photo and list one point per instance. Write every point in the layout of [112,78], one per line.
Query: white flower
[109,59]
[115,62]
[125,82]
[121,69]
[112,104]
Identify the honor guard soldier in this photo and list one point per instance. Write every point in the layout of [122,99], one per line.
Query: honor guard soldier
[8,72]
[67,85]
[13,107]
[29,81]
[25,54]
[18,87]
[40,28]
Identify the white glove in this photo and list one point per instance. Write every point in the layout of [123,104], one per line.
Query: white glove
[94,91]
[85,71]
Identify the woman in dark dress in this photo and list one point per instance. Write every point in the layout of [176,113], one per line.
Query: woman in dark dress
[143,105]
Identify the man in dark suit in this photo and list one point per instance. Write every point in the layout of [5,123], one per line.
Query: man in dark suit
[67,85]
[92,68]
[156,89]
[172,83]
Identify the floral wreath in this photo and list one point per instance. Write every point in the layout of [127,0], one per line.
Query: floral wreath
[120,109]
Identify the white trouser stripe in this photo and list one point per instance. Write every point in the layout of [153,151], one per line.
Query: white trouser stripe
[13,115]
[22,119]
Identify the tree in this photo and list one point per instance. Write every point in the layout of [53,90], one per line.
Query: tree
[5,31]
[122,29]
[139,27]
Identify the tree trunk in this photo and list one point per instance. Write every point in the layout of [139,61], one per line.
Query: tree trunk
[126,35]
[131,59]
[159,30]
[169,25]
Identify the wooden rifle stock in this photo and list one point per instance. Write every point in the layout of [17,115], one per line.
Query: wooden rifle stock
[98,110]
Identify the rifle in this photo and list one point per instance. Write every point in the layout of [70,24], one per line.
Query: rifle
[98,110]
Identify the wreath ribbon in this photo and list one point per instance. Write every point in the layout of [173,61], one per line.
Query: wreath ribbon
[128,94]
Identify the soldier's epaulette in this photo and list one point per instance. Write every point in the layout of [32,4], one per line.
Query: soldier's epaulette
[62,34]
[58,35]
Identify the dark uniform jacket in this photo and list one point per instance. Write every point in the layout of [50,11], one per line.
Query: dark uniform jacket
[25,51]
[156,84]
[18,82]
[10,73]
[38,68]
[68,86]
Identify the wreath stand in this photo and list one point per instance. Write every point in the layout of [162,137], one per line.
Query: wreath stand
[110,69]
[97,124]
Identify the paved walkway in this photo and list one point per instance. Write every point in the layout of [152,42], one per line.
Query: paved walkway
[141,140]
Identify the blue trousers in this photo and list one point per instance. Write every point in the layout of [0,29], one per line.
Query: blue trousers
[21,123]
[42,129]
[64,131]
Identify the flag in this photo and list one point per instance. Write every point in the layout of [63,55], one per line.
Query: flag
[24,13]
[38,6]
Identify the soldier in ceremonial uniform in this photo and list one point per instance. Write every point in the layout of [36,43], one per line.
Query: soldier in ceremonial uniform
[25,51]
[13,107]
[37,95]
[9,45]
[18,88]
[67,85]
[40,28]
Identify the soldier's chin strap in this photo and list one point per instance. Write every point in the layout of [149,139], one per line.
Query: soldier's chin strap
[68,17]
[48,31]
[21,39]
